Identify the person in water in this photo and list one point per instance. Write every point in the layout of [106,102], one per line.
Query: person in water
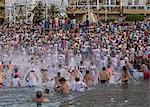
[64,87]
[125,75]
[88,78]
[16,81]
[32,78]
[2,77]
[39,98]
[56,79]
[46,92]
[103,76]
[79,86]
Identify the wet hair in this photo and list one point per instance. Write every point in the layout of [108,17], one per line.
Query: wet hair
[46,91]
[124,68]
[103,68]
[16,70]
[32,71]
[58,74]
[77,79]
[87,71]
[62,80]
[59,65]
[81,62]
[38,94]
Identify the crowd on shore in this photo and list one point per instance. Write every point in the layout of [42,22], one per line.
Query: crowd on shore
[74,56]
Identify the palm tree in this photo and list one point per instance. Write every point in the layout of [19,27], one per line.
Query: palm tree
[38,12]
[53,11]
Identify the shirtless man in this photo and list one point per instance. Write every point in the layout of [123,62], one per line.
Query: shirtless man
[88,78]
[130,67]
[125,75]
[40,99]
[103,76]
[64,87]
[56,79]
[2,77]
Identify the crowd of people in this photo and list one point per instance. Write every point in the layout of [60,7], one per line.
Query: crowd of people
[74,56]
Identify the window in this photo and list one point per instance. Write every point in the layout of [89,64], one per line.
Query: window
[129,2]
[136,2]
[113,2]
[104,2]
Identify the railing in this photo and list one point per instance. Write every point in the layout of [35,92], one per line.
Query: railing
[109,6]
[111,9]
[144,7]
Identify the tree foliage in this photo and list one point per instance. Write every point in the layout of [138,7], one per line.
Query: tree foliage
[53,11]
[135,17]
[38,12]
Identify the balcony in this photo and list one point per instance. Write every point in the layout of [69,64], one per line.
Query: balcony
[112,9]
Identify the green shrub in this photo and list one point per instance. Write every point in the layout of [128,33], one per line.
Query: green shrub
[109,20]
[134,17]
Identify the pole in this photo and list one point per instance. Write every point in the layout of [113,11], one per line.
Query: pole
[88,9]
[45,9]
[97,4]
[106,11]
[26,10]
[15,16]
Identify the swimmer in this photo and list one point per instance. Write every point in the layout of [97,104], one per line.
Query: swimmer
[79,86]
[40,99]
[56,79]
[2,77]
[88,78]
[46,92]
[64,87]
[103,76]
[15,81]
[125,75]
[32,78]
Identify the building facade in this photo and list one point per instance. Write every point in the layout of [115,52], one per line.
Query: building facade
[2,11]
[109,7]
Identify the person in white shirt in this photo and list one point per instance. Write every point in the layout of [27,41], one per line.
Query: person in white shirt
[15,81]
[114,62]
[82,67]
[32,78]
[79,86]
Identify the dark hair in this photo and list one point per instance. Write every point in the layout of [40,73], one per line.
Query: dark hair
[103,68]
[32,71]
[16,76]
[62,80]
[77,79]
[58,74]
[16,70]
[46,91]
[59,65]
[124,68]
[81,62]
[87,71]
[38,94]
